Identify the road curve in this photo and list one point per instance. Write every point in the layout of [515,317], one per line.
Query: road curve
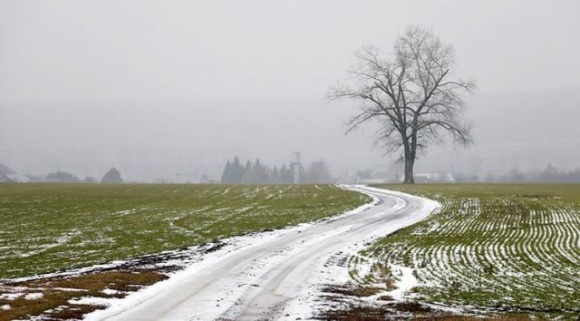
[267,280]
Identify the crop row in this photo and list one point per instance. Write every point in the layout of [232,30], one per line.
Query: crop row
[511,248]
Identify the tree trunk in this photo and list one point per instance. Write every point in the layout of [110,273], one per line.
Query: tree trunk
[410,150]
[409,163]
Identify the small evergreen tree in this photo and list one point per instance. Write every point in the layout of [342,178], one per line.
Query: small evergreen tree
[227,174]
[248,176]
[274,176]
[286,175]
[237,171]
[260,172]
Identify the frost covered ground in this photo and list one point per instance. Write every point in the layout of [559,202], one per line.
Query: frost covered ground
[506,248]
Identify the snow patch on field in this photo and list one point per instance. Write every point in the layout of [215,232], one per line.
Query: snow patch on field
[89,300]
[110,291]
[11,296]
[405,283]
[34,296]
[125,212]
[58,241]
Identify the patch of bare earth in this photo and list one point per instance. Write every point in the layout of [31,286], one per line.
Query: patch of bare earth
[69,297]
[55,298]
[347,303]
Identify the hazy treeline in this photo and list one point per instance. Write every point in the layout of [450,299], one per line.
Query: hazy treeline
[549,174]
[111,176]
[237,172]
[65,177]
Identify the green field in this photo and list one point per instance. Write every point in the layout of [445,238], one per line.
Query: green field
[496,247]
[54,227]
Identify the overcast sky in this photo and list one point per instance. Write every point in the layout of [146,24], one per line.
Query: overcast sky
[179,60]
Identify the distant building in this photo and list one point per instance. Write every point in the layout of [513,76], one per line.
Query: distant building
[19,178]
[4,179]
[295,166]
[371,181]
[434,178]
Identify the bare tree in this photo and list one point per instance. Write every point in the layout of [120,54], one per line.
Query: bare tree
[411,94]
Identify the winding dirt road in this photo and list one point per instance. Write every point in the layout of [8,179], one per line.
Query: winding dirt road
[273,278]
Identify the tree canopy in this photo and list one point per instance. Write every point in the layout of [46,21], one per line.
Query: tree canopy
[112,177]
[412,93]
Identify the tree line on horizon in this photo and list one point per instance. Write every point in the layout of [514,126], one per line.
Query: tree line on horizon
[236,172]
[112,176]
[550,174]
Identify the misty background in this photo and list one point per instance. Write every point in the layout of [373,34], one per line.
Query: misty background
[168,90]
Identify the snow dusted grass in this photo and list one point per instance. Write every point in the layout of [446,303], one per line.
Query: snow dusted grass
[496,247]
[51,227]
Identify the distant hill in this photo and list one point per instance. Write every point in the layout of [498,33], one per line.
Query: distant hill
[5,170]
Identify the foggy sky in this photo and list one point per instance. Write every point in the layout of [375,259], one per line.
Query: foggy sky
[160,88]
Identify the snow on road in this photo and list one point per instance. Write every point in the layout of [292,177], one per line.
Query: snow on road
[271,276]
